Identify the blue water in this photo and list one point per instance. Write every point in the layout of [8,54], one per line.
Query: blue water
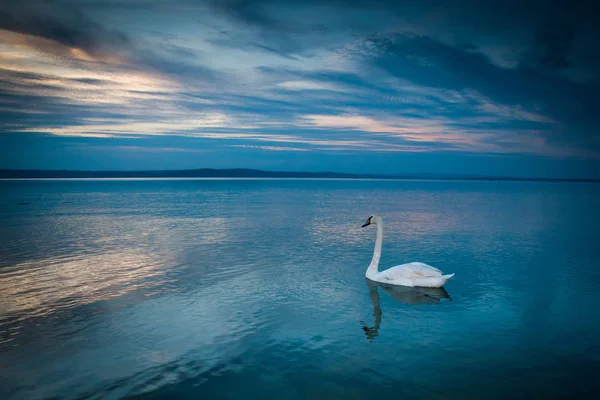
[241,289]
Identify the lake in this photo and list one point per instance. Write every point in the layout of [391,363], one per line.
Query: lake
[242,289]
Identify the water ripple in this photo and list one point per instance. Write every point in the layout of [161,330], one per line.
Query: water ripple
[256,289]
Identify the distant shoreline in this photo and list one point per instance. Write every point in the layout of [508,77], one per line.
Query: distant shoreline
[207,173]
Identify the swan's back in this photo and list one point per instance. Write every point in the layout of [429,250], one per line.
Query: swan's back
[418,270]
[408,272]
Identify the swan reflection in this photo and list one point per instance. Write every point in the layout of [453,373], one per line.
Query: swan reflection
[403,294]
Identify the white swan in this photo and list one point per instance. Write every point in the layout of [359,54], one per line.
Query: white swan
[414,274]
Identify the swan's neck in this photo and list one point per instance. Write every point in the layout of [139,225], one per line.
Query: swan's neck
[373,267]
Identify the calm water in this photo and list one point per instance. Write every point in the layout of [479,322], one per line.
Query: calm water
[240,289]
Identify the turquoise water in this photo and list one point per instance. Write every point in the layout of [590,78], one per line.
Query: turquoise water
[241,289]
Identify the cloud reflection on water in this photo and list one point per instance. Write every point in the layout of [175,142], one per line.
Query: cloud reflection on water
[41,287]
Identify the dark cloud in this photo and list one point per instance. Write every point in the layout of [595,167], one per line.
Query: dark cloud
[553,47]
[556,35]
[65,25]
[251,12]
[90,81]
[429,62]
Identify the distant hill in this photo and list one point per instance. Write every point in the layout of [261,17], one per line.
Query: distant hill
[244,173]
[188,173]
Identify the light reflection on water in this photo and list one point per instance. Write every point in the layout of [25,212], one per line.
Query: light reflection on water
[256,289]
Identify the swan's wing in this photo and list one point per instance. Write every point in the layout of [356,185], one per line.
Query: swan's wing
[411,270]
[424,269]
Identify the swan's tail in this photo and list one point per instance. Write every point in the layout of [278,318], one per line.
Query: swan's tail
[436,282]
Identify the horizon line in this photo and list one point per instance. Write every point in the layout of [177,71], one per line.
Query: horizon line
[251,173]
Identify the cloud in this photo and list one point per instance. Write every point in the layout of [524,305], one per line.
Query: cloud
[447,134]
[554,46]
[427,62]
[64,31]
[334,76]
[271,148]
[367,124]
[307,85]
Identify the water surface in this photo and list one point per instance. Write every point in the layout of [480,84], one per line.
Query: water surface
[229,289]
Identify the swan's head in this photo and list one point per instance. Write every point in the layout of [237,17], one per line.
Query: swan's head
[373,219]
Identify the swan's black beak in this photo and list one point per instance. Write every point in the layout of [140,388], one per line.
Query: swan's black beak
[368,222]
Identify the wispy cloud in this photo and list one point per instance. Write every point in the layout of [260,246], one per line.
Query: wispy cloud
[271,148]
[307,85]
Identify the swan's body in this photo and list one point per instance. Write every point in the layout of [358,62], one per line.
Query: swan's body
[414,274]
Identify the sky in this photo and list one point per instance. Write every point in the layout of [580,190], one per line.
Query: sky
[379,86]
